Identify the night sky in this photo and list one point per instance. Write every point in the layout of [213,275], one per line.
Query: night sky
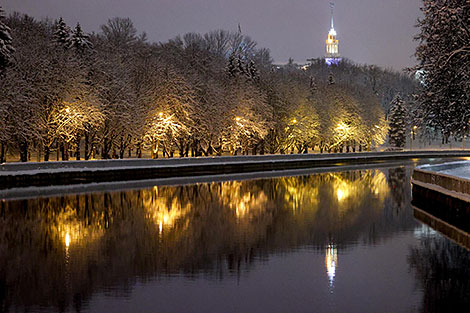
[370,31]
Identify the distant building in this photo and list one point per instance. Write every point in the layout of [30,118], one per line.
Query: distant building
[332,44]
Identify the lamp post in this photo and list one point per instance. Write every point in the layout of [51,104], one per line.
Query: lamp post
[412,136]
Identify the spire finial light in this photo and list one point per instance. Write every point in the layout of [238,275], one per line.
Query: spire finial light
[332,6]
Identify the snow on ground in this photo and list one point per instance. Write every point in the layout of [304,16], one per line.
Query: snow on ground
[458,168]
[462,171]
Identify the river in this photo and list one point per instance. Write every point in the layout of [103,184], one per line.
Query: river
[323,242]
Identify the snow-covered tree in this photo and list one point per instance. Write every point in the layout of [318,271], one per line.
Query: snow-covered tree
[232,65]
[170,118]
[79,41]
[252,71]
[313,85]
[397,122]
[331,79]
[62,34]
[246,123]
[176,96]
[444,58]
[6,47]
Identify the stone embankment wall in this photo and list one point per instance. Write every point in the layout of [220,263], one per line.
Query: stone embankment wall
[79,172]
[444,197]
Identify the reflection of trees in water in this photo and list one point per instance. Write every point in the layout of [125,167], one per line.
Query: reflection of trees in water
[399,190]
[56,252]
[443,270]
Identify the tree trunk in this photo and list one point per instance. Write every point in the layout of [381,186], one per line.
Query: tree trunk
[65,155]
[93,148]
[87,142]
[23,151]
[106,149]
[62,150]
[154,149]
[139,150]
[38,156]
[47,152]
[57,150]
[181,149]
[77,148]
[122,148]
[2,153]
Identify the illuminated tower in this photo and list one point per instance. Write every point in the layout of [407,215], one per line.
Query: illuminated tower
[332,51]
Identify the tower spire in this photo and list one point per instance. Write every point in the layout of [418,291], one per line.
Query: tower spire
[332,6]
[332,50]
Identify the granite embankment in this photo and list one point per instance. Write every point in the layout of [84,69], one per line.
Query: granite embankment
[78,172]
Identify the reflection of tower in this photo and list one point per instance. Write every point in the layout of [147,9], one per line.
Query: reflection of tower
[331,262]
[332,49]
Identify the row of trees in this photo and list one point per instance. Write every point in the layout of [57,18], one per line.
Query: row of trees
[115,95]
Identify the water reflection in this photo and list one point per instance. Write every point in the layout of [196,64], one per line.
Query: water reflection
[58,252]
[331,262]
[441,259]
[442,269]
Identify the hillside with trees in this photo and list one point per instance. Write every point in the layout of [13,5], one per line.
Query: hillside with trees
[68,94]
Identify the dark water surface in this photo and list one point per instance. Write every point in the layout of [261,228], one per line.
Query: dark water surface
[331,242]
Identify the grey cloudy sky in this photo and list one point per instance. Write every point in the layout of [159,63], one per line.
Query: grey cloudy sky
[370,31]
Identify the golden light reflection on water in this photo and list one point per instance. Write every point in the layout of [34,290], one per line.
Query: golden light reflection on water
[331,262]
[342,192]
[372,181]
[245,203]
[164,208]
[300,194]
[67,240]
[105,237]
[72,229]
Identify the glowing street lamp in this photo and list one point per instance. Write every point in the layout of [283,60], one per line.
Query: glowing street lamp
[341,126]
[412,136]
[294,121]
[238,118]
